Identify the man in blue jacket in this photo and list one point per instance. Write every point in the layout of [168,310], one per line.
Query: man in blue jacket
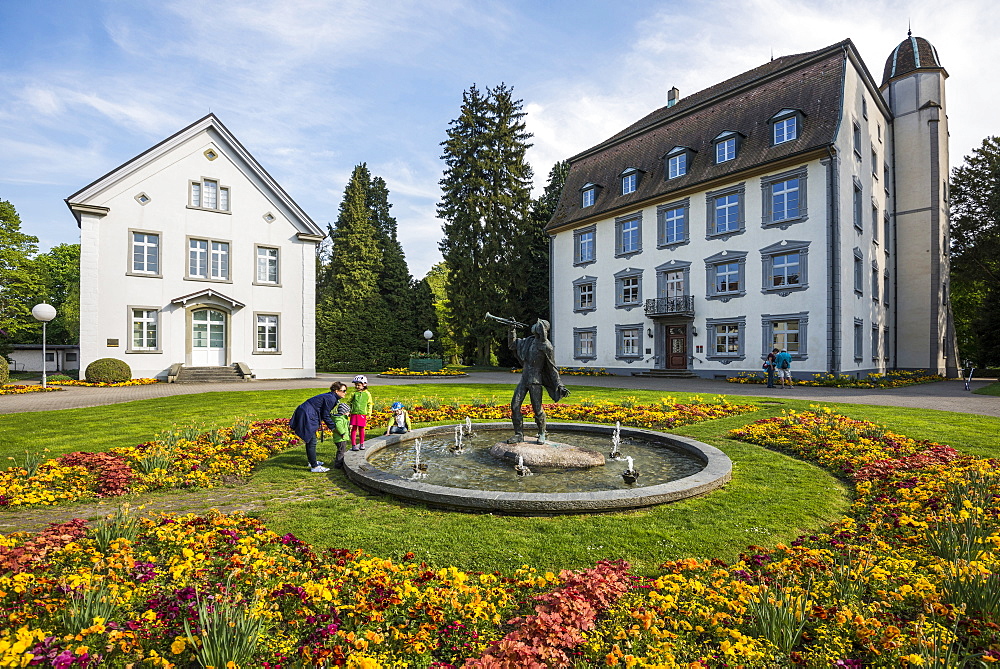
[306,421]
[783,361]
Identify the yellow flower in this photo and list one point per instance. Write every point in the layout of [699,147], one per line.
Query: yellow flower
[178,646]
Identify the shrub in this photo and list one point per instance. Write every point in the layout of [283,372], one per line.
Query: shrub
[4,371]
[108,370]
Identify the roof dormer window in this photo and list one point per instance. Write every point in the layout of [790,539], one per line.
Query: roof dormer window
[786,125]
[630,180]
[727,146]
[588,195]
[678,159]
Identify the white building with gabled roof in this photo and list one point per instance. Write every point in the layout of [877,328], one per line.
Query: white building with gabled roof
[193,256]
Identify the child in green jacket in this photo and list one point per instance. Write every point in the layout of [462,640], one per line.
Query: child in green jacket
[361,411]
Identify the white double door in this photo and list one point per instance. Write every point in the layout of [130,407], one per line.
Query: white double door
[208,338]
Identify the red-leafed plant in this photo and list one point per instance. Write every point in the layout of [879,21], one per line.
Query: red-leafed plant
[546,638]
[112,471]
[18,558]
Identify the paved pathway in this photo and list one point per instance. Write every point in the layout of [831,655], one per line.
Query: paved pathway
[943,395]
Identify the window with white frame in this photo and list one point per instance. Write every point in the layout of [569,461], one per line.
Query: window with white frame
[208,194]
[785,126]
[858,206]
[628,235]
[885,228]
[673,279]
[630,180]
[725,275]
[875,342]
[784,198]
[885,287]
[857,140]
[584,343]
[628,340]
[874,164]
[677,162]
[725,211]
[859,339]
[885,342]
[267,265]
[786,332]
[875,281]
[267,333]
[785,265]
[144,329]
[584,246]
[145,253]
[725,339]
[864,107]
[859,273]
[588,195]
[208,259]
[725,149]
[628,288]
[584,293]
[875,222]
[672,223]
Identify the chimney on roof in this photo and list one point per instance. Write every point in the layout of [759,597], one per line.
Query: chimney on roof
[673,95]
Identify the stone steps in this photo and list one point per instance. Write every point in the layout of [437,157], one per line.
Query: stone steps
[208,375]
[667,374]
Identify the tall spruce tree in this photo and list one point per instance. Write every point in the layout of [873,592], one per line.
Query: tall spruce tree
[535,299]
[485,206]
[395,285]
[351,310]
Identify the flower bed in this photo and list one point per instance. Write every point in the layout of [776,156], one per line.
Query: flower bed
[910,578]
[575,371]
[101,384]
[891,379]
[403,371]
[14,389]
[182,459]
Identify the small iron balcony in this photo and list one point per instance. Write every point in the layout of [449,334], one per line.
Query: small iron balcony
[668,306]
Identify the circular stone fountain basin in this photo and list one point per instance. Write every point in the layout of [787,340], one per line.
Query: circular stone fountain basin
[387,467]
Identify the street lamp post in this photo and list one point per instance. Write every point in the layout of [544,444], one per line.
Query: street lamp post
[44,313]
[428,335]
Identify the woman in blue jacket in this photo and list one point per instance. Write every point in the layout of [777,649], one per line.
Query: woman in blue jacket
[307,417]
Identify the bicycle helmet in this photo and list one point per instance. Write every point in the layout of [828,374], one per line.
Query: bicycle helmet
[360,378]
[397,405]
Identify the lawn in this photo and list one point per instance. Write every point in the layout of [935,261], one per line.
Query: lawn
[992,389]
[772,498]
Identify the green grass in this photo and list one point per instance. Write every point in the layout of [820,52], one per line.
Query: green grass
[772,497]
[992,389]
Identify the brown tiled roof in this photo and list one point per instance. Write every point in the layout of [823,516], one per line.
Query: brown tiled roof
[913,53]
[809,82]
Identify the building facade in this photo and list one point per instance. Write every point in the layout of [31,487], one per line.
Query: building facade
[192,254]
[798,205]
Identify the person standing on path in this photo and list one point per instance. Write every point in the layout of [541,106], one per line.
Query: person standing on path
[308,416]
[783,361]
[769,366]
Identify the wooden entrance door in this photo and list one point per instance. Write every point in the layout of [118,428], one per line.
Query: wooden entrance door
[677,347]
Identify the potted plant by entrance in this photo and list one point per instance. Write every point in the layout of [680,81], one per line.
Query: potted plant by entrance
[425,362]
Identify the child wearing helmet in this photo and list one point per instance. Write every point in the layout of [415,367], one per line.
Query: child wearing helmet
[341,428]
[399,422]
[361,411]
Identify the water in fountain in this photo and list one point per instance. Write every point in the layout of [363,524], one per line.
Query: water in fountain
[468,426]
[520,468]
[418,471]
[616,440]
[457,447]
[478,470]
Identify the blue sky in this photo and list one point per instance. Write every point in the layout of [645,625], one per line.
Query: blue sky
[314,87]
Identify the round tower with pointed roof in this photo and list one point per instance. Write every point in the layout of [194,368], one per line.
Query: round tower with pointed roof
[913,85]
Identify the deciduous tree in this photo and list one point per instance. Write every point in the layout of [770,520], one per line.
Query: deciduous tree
[19,279]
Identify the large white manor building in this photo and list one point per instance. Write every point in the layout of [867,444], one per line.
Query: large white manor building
[799,205]
[192,255]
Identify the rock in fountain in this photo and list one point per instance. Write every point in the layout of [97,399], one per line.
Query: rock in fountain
[538,453]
